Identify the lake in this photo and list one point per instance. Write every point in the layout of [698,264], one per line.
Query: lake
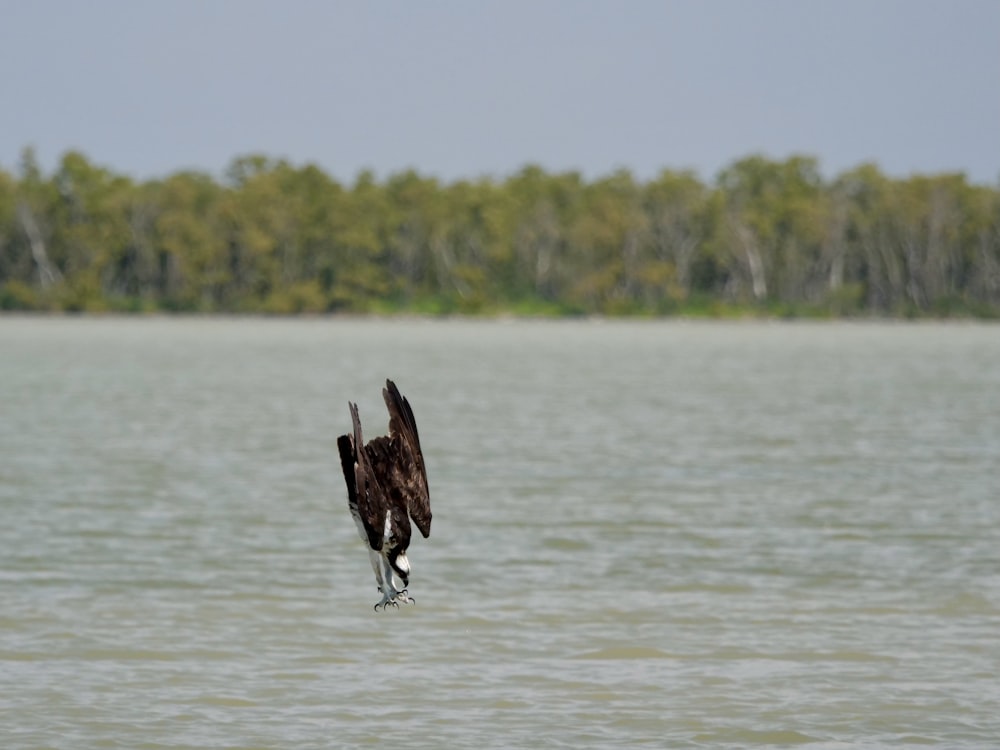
[646,534]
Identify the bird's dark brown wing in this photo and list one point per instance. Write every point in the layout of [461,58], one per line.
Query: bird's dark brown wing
[345,445]
[363,489]
[410,472]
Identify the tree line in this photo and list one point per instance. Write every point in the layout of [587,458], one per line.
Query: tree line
[767,236]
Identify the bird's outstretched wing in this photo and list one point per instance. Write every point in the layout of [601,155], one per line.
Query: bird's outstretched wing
[364,495]
[410,471]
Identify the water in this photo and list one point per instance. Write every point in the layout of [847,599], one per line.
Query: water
[685,535]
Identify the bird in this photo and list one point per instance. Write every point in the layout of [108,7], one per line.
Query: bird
[386,487]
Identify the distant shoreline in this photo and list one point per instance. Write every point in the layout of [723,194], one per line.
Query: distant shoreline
[500,317]
[766,239]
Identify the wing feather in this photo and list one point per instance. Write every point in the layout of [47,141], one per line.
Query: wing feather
[410,472]
[367,495]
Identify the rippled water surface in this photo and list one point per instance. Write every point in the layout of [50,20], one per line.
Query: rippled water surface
[685,535]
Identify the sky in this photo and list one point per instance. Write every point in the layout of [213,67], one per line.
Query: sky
[463,89]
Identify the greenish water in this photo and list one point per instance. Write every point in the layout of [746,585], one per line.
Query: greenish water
[685,535]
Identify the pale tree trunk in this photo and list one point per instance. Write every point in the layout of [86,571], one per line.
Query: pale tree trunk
[940,262]
[683,256]
[837,246]
[836,279]
[535,245]
[755,264]
[630,262]
[444,255]
[48,274]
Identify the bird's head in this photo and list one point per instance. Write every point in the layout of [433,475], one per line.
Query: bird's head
[400,564]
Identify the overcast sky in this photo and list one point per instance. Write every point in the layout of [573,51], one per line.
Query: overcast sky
[465,88]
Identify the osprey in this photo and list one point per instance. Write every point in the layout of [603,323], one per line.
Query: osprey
[386,487]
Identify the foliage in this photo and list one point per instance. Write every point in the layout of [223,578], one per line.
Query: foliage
[766,237]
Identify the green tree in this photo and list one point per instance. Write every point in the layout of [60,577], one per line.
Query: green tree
[193,270]
[679,219]
[275,237]
[775,220]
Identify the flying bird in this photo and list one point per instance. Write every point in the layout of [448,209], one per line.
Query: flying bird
[386,487]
